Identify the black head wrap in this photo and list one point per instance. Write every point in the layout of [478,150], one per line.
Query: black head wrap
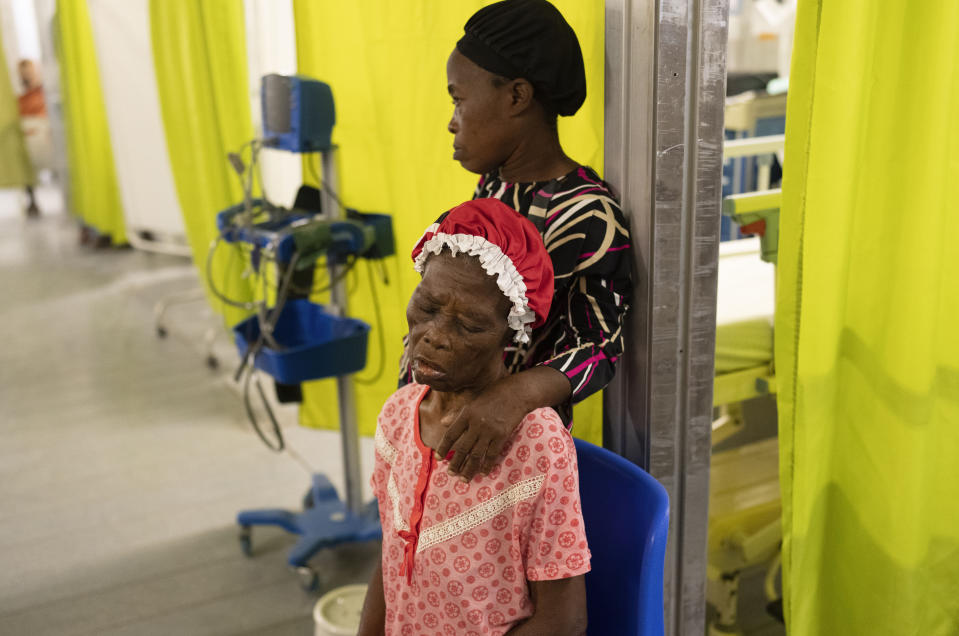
[532,40]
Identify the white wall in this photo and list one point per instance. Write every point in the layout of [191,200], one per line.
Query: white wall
[21,40]
[271,48]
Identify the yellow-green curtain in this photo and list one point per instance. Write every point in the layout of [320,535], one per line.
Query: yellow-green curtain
[15,166]
[199,52]
[386,64]
[867,344]
[94,194]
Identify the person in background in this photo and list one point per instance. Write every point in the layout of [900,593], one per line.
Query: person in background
[516,69]
[31,104]
[506,553]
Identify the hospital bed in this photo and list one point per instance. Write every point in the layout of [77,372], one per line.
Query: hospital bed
[744,507]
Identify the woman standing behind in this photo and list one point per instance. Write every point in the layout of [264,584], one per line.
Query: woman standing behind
[516,69]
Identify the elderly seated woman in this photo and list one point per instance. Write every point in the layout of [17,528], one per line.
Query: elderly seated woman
[504,553]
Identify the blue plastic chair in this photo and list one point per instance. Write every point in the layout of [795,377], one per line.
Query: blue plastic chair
[627,518]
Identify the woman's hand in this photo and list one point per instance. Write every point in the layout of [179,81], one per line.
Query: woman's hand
[484,426]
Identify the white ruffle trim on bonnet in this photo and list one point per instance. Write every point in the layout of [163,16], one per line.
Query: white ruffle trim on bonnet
[497,265]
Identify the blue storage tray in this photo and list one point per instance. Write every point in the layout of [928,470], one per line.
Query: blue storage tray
[316,344]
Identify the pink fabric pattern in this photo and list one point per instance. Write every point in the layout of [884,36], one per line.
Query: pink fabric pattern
[457,557]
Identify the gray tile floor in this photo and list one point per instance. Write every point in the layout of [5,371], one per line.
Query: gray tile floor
[124,459]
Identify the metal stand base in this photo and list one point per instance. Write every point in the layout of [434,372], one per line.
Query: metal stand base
[327,523]
[327,520]
[182,298]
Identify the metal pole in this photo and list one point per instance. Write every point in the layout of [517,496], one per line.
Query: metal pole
[665,93]
[349,433]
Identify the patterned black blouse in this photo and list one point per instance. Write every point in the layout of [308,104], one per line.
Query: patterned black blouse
[587,239]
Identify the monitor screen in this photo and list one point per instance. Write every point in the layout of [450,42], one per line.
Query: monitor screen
[277,95]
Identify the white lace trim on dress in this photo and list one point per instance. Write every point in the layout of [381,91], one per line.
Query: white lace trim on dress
[455,526]
[382,445]
[399,523]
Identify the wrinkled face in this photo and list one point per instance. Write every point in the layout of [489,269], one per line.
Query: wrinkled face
[482,129]
[457,319]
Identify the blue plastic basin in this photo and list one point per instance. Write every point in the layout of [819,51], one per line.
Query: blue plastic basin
[315,344]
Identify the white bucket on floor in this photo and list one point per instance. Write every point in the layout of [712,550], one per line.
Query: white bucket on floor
[337,613]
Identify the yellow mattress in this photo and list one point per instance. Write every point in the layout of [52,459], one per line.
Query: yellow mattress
[745,304]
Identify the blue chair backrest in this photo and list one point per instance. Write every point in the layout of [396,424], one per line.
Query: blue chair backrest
[627,518]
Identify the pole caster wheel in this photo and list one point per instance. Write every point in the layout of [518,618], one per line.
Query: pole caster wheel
[309,579]
[161,332]
[308,499]
[246,541]
[212,363]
